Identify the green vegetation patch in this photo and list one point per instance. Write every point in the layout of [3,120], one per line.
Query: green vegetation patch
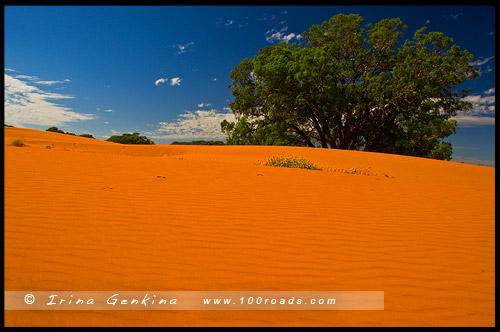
[291,162]
[353,170]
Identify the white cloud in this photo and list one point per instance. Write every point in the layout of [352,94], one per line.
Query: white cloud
[108,111]
[483,110]
[428,21]
[26,77]
[175,81]
[183,48]
[194,125]
[8,69]
[172,81]
[483,104]
[229,22]
[275,35]
[161,80]
[51,82]
[28,104]
[474,121]
[214,79]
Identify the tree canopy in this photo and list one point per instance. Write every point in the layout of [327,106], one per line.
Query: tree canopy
[350,86]
[128,138]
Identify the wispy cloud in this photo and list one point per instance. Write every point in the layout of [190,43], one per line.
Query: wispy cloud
[454,16]
[108,110]
[51,82]
[481,61]
[199,124]
[26,77]
[229,22]
[28,104]
[428,21]
[204,104]
[184,48]
[474,161]
[36,80]
[267,17]
[171,82]
[483,111]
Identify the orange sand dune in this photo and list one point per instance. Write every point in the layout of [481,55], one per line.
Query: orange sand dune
[90,215]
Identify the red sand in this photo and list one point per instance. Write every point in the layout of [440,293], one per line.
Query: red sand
[90,215]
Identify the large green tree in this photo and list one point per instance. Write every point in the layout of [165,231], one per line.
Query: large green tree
[353,87]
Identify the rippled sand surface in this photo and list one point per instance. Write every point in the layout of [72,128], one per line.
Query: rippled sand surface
[91,215]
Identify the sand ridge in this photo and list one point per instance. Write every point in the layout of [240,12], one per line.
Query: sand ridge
[94,215]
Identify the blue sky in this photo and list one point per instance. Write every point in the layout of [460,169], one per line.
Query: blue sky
[164,71]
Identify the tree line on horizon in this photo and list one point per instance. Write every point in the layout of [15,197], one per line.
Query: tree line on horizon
[348,86]
[56,130]
[199,142]
[135,138]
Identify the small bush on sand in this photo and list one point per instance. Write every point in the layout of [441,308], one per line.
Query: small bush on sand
[353,170]
[291,162]
[128,138]
[18,142]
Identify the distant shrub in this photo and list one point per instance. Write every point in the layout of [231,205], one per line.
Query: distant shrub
[18,142]
[128,138]
[86,135]
[201,142]
[291,162]
[55,130]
